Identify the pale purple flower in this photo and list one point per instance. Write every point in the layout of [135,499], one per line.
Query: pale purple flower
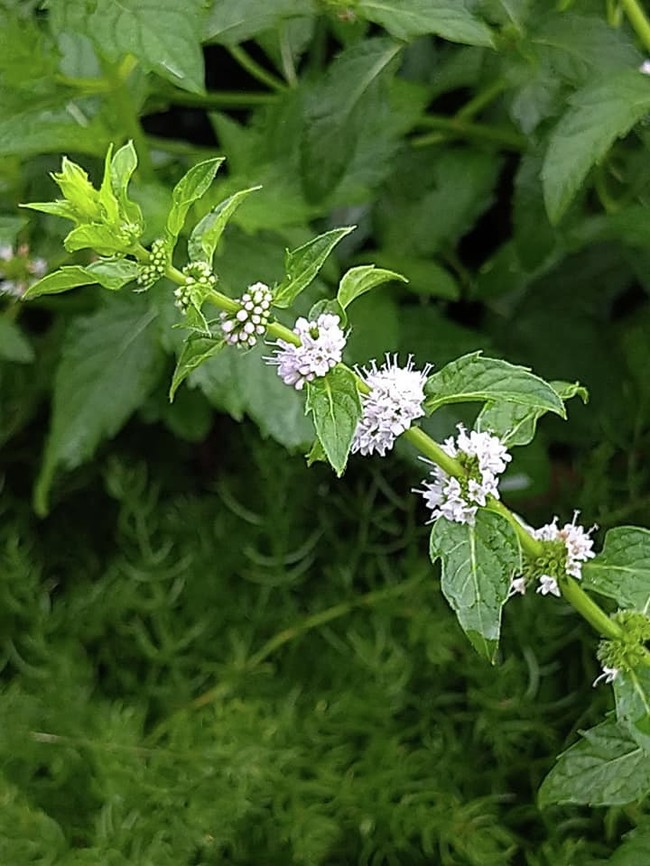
[321,347]
[247,324]
[548,586]
[485,458]
[393,403]
[517,586]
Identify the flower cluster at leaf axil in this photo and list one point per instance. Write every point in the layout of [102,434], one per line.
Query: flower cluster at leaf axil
[627,652]
[483,457]
[155,268]
[19,270]
[250,322]
[394,401]
[565,551]
[321,347]
[199,279]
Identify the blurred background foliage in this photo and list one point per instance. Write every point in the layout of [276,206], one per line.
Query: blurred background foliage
[211,654]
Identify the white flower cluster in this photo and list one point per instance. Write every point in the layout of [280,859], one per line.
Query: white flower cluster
[24,271]
[394,402]
[321,348]
[484,458]
[579,548]
[199,279]
[156,266]
[645,67]
[246,325]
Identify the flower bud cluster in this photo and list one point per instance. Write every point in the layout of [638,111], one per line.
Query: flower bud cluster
[155,267]
[19,270]
[199,279]
[627,652]
[247,324]
[321,347]
[483,457]
[393,403]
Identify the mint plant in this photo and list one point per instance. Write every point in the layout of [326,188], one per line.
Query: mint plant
[488,554]
[492,156]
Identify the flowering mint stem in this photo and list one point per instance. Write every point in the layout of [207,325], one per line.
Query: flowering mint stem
[571,591]
[638,20]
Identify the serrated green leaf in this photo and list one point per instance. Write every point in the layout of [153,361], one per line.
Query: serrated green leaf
[107,198]
[194,184]
[632,693]
[14,346]
[328,305]
[405,19]
[112,274]
[110,361]
[196,350]
[207,232]
[56,208]
[478,563]
[51,129]
[164,35]
[606,768]
[123,164]
[599,113]
[68,277]
[334,403]
[474,378]
[515,424]
[95,236]
[303,263]
[346,93]
[316,454]
[357,281]
[622,569]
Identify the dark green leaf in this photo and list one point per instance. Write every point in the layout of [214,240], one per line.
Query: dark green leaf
[478,563]
[303,263]
[14,346]
[362,279]
[474,378]
[234,21]
[599,113]
[334,402]
[346,94]
[207,232]
[606,768]
[622,569]
[635,850]
[110,361]
[451,19]
[196,350]
[164,35]
[194,184]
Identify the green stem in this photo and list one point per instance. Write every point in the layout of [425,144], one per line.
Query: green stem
[481,100]
[465,129]
[639,21]
[587,607]
[218,98]
[532,546]
[255,70]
